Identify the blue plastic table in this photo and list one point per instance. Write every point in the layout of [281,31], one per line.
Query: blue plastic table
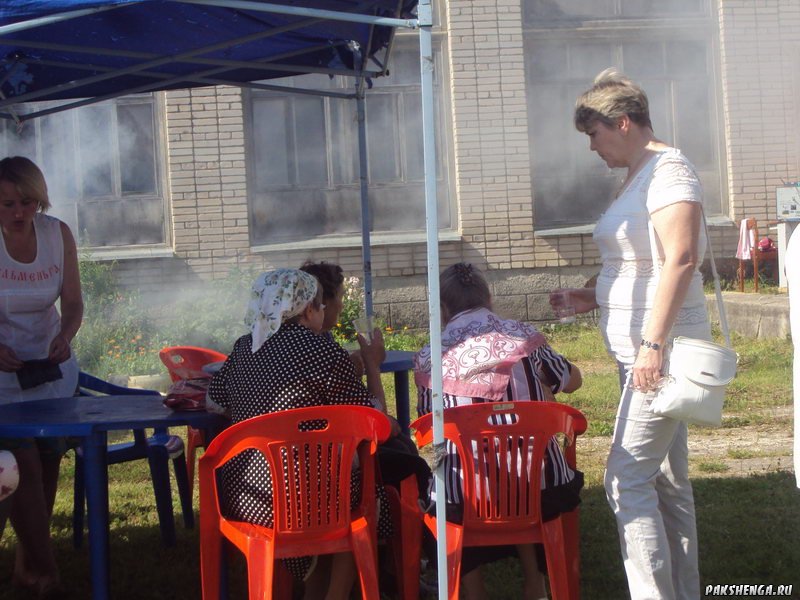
[400,363]
[91,418]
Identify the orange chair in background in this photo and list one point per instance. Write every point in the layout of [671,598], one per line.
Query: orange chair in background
[757,255]
[187,362]
[503,505]
[310,472]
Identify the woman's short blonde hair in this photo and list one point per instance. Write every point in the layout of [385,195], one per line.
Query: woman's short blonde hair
[612,96]
[28,179]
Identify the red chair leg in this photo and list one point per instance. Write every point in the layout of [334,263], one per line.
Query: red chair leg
[411,527]
[455,539]
[194,439]
[260,567]
[556,554]
[364,553]
[571,523]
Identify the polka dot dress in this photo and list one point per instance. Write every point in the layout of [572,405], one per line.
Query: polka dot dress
[295,368]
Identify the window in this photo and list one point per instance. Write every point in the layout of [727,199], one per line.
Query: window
[667,46]
[303,157]
[102,165]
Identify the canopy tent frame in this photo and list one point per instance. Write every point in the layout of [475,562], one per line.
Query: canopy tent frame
[213,76]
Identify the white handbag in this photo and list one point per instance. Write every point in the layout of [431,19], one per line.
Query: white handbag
[699,370]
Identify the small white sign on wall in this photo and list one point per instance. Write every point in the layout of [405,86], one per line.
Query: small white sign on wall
[788,202]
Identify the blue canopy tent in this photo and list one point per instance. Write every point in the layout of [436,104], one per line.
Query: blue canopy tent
[80,52]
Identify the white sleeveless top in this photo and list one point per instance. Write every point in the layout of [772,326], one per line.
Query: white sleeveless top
[626,285]
[28,317]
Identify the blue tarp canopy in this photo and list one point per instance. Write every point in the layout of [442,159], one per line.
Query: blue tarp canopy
[99,49]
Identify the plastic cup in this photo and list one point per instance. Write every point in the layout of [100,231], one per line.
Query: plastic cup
[563,307]
[566,314]
[364,326]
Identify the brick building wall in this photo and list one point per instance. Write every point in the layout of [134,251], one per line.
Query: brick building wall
[758,63]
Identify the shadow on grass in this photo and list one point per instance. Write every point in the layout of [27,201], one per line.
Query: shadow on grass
[748,529]
[141,567]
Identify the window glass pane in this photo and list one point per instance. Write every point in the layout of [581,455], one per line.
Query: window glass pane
[310,153]
[403,69]
[661,8]
[550,121]
[546,60]
[383,164]
[21,142]
[412,130]
[693,128]
[686,59]
[137,161]
[58,155]
[642,59]
[270,142]
[565,201]
[659,95]
[344,142]
[134,220]
[559,10]
[586,60]
[96,155]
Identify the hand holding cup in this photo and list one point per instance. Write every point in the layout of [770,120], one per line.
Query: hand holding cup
[563,306]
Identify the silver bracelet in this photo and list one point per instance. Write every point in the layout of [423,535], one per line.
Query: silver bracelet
[651,345]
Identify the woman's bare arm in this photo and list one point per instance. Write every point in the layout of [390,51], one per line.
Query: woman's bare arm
[71,300]
[678,229]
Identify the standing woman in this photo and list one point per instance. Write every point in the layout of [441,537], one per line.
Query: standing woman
[642,308]
[38,267]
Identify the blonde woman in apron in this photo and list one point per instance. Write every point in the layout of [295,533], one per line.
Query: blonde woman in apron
[38,267]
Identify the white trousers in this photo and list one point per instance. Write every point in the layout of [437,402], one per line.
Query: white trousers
[648,488]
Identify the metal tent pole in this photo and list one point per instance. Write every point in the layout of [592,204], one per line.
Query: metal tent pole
[364,188]
[425,18]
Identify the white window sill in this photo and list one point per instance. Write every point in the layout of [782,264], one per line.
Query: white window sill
[129,252]
[713,221]
[354,241]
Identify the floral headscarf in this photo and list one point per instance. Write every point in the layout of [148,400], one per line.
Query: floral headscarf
[276,297]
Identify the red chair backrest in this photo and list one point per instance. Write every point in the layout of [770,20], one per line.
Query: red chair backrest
[310,470]
[502,446]
[187,362]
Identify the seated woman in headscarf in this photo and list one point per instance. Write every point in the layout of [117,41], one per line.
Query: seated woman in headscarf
[283,364]
[529,369]
[398,456]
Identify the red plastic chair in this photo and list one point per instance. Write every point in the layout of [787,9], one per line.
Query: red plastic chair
[187,362]
[406,543]
[503,505]
[307,519]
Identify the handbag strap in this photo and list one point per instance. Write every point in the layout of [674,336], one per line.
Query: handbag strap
[723,319]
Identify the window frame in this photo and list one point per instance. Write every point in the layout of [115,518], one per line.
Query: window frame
[347,175]
[617,32]
[161,180]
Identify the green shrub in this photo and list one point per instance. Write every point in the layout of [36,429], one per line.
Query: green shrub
[116,335]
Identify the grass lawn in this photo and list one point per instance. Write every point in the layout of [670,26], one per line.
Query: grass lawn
[747,504]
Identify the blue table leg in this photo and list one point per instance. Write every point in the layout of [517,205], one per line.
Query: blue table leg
[401,398]
[96,469]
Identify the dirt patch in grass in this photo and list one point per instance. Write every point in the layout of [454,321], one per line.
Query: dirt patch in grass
[743,446]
